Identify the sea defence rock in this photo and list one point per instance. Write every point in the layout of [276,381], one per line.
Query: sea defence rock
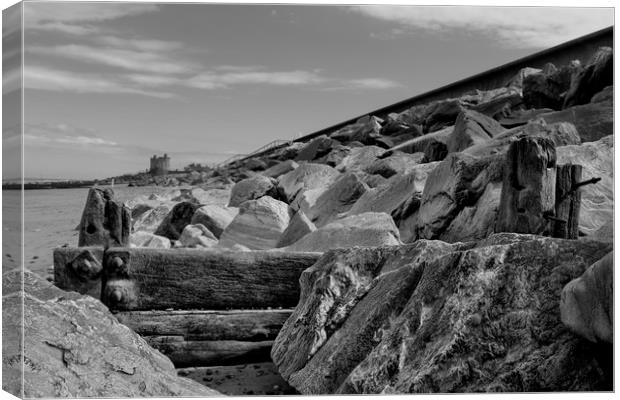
[587,302]
[305,177]
[547,88]
[105,222]
[178,218]
[472,128]
[151,219]
[338,198]
[397,163]
[592,79]
[203,197]
[419,144]
[280,169]
[592,121]
[364,130]
[214,218]
[359,159]
[147,239]
[252,189]
[197,236]
[74,347]
[597,200]
[258,226]
[560,134]
[431,317]
[365,230]
[316,148]
[299,226]
[457,182]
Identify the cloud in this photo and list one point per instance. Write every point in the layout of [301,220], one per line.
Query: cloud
[523,27]
[43,78]
[135,60]
[373,83]
[45,134]
[140,44]
[72,29]
[11,79]
[37,12]
[218,80]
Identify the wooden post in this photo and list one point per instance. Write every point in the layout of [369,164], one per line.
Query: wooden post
[528,189]
[159,279]
[105,222]
[568,201]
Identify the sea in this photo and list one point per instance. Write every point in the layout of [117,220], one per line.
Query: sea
[51,217]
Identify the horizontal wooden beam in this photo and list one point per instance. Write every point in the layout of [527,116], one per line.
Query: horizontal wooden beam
[185,353]
[187,279]
[240,325]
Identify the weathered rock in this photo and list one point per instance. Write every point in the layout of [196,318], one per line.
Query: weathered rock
[394,127]
[434,318]
[281,168]
[305,200]
[521,117]
[419,144]
[597,200]
[374,181]
[335,157]
[200,196]
[197,236]
[307,176]
[150,220]
[74,347]
[359,159]
[478,221]
[472,128]
[603,234]
[104,222]
[587,302]
[397,163]
[364,130]
[457,182]
[147,239]
[607,94]
[442,114]
[259,224]
[176,220]
[316,148]
[365,230]
[338,198]
[547,89]
[561,134]
[497,102]
[435,150]
[299,226]
[388,198]
[592,79]
[255,164]
[288,152]
[214,218]
[592,121]
[252,189]
[517,80]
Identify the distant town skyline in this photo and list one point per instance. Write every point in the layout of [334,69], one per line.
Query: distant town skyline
[107,85]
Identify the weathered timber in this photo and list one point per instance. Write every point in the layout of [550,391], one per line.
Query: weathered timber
[528,187]
[194,325]
[568,201]
[184,353]
[105,222]
[159,279]
[79,269]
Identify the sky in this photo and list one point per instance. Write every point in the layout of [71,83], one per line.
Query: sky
[107,85]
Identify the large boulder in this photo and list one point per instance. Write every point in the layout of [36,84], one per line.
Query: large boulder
[359,159]
[307,176]
[180,216]
[365,230]
[151,219]
[587,302]
[547,88]
[592,121]
[258,226]
[147,239]
[214,218]
[74,347]
[472,128]
[252,189]
[197,236]
[561,134]
[435,318]
[397,163]
[316,148]
[364,130]
[456,183]
[419,144]
[298,227]
[338,198]
[442,114]
[280,168]
[592,79]
[597,200]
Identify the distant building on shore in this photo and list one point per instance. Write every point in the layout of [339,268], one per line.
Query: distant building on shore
[159,165]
